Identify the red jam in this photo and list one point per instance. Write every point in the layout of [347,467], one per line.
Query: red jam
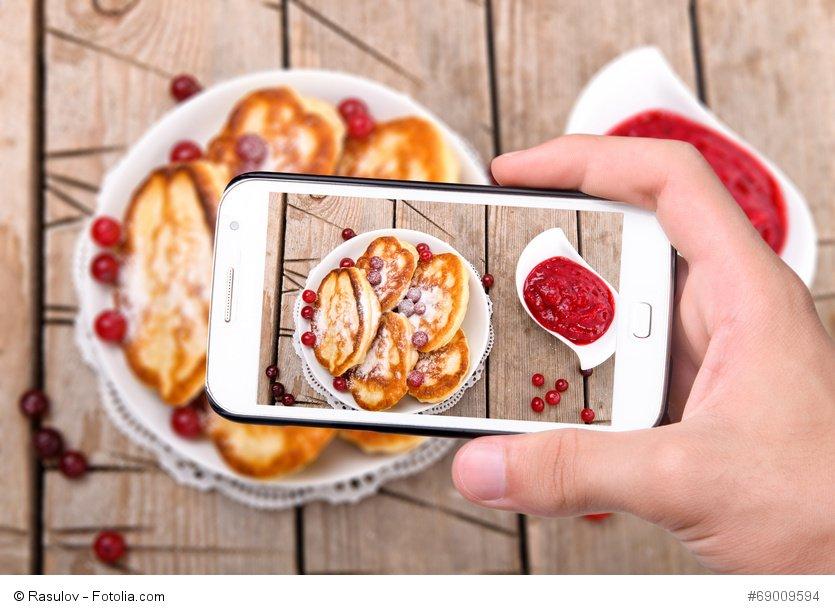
[751,185]
[566,298]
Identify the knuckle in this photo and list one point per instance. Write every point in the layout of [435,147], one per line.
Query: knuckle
[561,485]
[674,462]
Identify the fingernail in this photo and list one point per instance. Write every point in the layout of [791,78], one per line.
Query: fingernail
[481,470]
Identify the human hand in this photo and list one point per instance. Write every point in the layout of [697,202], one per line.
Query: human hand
[745,478]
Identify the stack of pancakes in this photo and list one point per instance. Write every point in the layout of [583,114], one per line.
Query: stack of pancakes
[165,280]
[396,296]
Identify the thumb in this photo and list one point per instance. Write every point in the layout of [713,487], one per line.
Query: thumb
[568,472]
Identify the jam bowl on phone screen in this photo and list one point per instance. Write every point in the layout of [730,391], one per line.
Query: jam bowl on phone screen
[436,309]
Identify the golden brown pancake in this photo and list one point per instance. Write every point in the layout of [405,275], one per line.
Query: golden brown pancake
[266,451]
[397,261]
[381,442]
[346,315]
[303,135]
[409,148]
[443,282]
[379,382]
[443,370]
[165,280]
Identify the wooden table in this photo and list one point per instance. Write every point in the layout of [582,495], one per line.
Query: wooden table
[82,80]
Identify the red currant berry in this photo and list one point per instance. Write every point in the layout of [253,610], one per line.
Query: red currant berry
[340,384]
[552,397]
[278,390]
[596,517]
[185,151]
[251,148]
[425,255]
[105,268]
[307,312]
[537,380]
[184,86]
[48,443]
[537,405]
[587,415]
[586,372]
[186,422]
[351,107]
[487,280]
[106,231]
[376,262]
[111,326]
[34,404]
[308,339]
[422,246]
[415,379]
[360,125]
[73,464]
[271,372]
[347,234]
[346,262]
[561,385]
[109,546]
[309,296]
[420,339]
[288,399]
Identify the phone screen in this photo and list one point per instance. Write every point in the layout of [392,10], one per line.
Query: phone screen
[415,306]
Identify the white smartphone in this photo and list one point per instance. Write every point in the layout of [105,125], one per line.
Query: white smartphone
[436,309]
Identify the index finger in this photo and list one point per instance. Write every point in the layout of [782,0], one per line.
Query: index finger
[668,177]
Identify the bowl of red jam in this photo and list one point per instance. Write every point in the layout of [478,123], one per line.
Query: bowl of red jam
[638,94]
[562,293]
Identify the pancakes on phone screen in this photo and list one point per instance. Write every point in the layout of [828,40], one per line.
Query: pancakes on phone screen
[381,442]
[438,374]
[276,129]
[346,316]
[165,278]
[379,382]
[266,451]
[389,264]
[439,294]
[409,148]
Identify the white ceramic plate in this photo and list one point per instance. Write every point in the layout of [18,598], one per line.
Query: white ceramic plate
[200,118]
[476,324]
[643,79]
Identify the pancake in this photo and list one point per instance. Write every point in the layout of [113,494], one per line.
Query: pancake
[409,148]
[396,261]
[266,451]
[443,370]
[346,316]
[381,442]
[443,282]
[303,135]
[379,382]
[165,279]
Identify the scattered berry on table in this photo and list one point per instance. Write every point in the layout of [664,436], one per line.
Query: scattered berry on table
[271,372]
[586,372]
[34,404]
[288,399]
[538,380]
[348,233]
[415,378]
[278,390]
[184,86]
[309,296]
[307,312]
[186,422]
[537,404]
[111,326]
[351,107]
[308,339]
[185,151]
[487,280]
[587,415]
[48,443]
[109,546]
[360,125]
[561,385]
[340,384]
[73,464]
[105,268]
[346,262]
[552,397]
[251,148]
[106,231]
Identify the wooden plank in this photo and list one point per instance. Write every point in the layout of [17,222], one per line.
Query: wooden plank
[107,74]
[169,528]
[18,272]
[271,302]
[438,56]
[545,53]
[768,74]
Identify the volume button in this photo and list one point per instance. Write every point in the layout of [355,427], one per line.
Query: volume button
[230,280]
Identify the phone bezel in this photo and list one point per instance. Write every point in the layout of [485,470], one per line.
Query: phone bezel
[641,365]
